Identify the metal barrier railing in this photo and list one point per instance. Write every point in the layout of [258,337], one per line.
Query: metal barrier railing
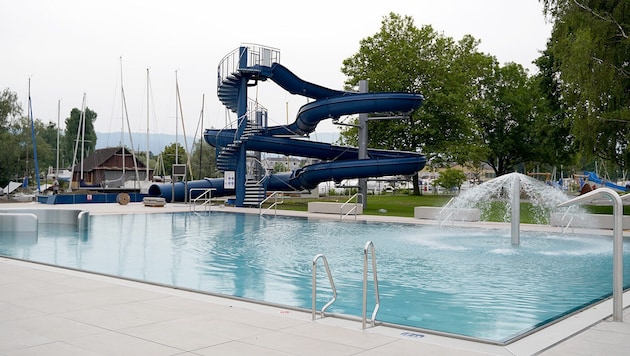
[256,55]
[353,209]
[443,221]
[370,245]
[203,200]
[314,292]
[275,204]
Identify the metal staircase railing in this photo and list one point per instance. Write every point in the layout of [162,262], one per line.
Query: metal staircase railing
[230,74]
[353,208]
[274,205]
[202,201]
[256,55]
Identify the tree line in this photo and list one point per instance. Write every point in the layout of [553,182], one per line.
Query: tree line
[573,112]
[16,160]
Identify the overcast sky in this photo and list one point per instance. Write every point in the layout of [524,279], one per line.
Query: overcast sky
[68,48]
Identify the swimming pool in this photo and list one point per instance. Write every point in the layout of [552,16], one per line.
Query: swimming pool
[468,282]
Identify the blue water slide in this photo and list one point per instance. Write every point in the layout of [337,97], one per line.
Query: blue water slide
[331,104]
[593,177]
[339,162]
[166,190]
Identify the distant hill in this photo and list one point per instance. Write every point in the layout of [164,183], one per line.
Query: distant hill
[157,142]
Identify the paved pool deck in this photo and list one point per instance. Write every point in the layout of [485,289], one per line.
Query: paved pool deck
[46,310]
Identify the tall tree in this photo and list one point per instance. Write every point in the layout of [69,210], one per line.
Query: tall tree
[168,156]
[74,134]
[203,160]
[402,57]
[590,45]
[504,116]
[556,143]
[10,111]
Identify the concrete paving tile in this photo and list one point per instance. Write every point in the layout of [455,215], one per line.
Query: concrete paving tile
[186,304]
[52,349]
[408,347]
[14,338]
[355,338]
[300,345]
[280,320]
[9,312]
[179,334]
[109,319]
[237,348]
[56,328]
[113,343]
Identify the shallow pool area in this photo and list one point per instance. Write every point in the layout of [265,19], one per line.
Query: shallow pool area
[469,282]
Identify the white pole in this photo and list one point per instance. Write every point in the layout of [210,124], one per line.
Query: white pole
[516,211]
[58,116]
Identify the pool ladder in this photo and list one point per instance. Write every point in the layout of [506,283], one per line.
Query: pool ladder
[369,247]
[314,293]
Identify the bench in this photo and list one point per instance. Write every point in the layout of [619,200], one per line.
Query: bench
[154,201]
[335,208]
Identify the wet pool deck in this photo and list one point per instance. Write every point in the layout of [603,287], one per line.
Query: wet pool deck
[46,310]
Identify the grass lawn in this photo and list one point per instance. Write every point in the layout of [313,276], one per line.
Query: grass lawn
[402,205]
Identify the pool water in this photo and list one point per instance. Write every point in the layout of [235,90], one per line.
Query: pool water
[469,282]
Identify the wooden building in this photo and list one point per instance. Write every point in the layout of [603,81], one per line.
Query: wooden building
[104,169]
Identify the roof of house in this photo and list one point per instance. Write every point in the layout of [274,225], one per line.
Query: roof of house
[100,156]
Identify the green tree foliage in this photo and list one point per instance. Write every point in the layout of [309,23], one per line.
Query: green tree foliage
[556,144]
[451,178]
[10,110]
[504,116]
[590,49]
[16,160]
[401,57]
[169,156]
[202,160]
[74,134]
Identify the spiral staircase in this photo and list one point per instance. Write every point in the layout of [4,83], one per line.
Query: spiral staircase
[234,70]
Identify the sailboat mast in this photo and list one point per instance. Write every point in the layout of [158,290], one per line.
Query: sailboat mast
[82,121]
[146,178]
[122,121]
[30,113]
[176,120]
[181,115]
[203,104]
[58,118]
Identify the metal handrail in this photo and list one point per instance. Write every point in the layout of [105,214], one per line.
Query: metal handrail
[564,230]
[447,217]
[205,197]
[353,209]
[257,54]
[369,244]
[314,293]
[274,205]
[443,221]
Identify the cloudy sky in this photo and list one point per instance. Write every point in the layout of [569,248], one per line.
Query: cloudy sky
[68,48]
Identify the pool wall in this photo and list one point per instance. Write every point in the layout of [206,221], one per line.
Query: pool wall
[25,220]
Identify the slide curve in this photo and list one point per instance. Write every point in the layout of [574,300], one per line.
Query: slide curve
[338,162]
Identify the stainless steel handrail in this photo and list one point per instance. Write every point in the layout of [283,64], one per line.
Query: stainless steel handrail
[564,230]
[274,205]
[205,197]
[353,209]
[369,245]
[314,293]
